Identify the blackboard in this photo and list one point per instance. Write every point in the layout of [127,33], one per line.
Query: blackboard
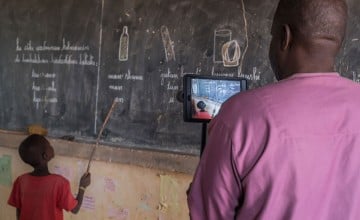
[63,62]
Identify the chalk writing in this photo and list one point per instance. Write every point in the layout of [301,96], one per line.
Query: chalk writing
[118,88]
[43,91]
[36,58]
[89,203]
[167,76]
[66,46]
[172,100]
[129,76]
[119,99]
[36,54]
[183,73]
[42,75]
[126,76]
[172,87]
[229,74]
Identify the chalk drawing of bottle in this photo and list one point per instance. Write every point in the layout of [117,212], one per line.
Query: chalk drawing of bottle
[124,45]
[221,37]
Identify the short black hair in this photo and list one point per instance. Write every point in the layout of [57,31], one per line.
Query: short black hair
[31,149]
[311,19]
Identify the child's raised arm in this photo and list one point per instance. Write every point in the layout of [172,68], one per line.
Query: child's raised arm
[84,182]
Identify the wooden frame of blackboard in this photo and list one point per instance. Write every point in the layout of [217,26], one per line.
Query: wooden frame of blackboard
[189,107]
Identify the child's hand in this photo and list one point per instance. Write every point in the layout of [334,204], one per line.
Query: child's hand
[85,180]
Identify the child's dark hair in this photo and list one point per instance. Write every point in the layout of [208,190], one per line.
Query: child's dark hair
[31,149]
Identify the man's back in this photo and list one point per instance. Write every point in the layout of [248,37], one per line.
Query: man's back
[286,151]
[307,166]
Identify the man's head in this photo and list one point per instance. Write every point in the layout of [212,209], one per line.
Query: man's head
[307,35]
[35,150]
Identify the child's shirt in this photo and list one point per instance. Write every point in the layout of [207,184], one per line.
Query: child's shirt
[42,197]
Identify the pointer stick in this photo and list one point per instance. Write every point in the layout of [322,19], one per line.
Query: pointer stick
[99,135]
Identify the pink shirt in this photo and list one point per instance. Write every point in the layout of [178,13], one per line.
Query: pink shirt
[290,150]
[42,197]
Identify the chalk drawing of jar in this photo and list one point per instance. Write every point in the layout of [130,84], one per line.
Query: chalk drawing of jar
[231,54]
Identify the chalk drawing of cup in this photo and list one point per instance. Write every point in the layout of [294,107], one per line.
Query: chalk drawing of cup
[221,36]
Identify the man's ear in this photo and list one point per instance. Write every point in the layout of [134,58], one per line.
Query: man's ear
[286,37]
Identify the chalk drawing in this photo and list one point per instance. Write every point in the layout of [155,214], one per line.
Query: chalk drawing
[221,36]
[109,184]
[228,60]
[118,213]
[124,45]
[168,44]
[5,170]
[144,210]
[169,195]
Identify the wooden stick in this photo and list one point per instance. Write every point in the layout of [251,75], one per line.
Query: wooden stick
[100,133]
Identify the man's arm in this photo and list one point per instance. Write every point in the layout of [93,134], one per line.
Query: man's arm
[216,189]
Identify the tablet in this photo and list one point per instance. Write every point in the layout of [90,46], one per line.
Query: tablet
[204,95]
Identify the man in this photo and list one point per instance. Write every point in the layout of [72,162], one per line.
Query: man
[289,150]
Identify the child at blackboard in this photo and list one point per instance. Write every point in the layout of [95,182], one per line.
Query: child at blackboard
[41,195]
